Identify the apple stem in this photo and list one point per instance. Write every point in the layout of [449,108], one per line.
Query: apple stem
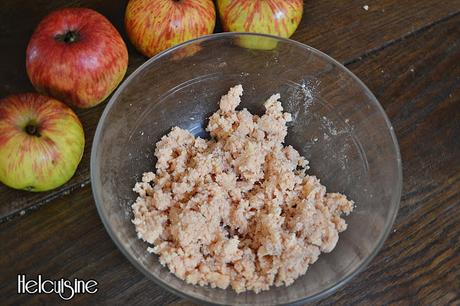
[32,130]
[68,37]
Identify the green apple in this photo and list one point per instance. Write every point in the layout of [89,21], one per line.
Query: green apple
[275,17]
[41,142]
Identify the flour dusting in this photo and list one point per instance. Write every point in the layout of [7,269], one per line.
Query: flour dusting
[301,97]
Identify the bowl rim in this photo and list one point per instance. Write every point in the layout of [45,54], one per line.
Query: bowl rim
[94,173]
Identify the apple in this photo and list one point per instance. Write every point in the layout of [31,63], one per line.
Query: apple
[275,17]
[41,142]
[186,51]
[77,56]
[155,25]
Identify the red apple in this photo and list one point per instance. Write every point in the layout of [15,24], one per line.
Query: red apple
[155,25]
[275,17]
[41,142]
[77,56]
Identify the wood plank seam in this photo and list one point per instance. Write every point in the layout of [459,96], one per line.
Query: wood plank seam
[395,41]
[71,188]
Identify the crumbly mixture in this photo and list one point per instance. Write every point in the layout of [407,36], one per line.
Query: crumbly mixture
[238,210]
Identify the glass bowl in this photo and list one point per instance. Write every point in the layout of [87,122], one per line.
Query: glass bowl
[339,126]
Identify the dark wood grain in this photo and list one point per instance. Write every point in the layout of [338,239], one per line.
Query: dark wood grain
[341,28]
[67,239]
[346,31]
[417,80]
[418,84]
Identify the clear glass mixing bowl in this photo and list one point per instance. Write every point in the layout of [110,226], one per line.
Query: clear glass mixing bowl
[338,125]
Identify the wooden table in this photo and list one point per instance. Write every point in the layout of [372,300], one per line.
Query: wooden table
[407,52]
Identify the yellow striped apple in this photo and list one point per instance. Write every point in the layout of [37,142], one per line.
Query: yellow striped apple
[275,17]
[41,142]
[77,56]
[155,25]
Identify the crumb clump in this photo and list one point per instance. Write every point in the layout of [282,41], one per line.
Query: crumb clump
[238,210]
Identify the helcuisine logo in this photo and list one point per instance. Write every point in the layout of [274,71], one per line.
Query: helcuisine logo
[64,288]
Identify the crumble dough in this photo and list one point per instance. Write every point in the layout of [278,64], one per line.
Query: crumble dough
[238,210]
